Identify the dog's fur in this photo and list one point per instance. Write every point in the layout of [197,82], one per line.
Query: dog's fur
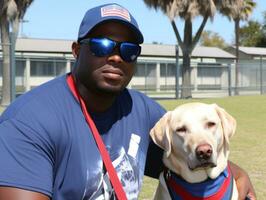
[181,131]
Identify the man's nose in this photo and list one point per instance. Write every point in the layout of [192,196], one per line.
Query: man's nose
[115,56]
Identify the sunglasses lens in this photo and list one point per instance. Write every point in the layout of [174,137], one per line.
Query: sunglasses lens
[101,46]
[129,51]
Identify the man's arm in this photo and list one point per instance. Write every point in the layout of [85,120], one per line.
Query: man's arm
[154,164]
[25,164]
[244,185]
[11,193]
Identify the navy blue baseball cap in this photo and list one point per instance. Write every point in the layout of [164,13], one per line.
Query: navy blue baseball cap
[108,12]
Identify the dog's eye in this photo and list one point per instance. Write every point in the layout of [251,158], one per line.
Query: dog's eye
[210,124]
[181,129]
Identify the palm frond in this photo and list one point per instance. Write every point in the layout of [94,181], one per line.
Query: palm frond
[237,9]
[186,9]
[13,8]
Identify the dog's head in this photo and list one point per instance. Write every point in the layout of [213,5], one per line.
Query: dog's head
[195,138]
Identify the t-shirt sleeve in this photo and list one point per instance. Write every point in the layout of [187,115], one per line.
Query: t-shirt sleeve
[154,165]
[26,158]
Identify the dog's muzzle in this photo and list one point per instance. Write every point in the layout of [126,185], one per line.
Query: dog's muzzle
[203,157]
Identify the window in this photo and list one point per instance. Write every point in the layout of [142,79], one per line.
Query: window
[211,70]
[1,67]
[20,66]
[47,68]
[209,76]
[145,69]
[167,69]
[151,69]
[140,70]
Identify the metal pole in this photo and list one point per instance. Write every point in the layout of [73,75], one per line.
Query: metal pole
[12,67]
[22,22]
[261,76]
[146,81]
[177,72]
[229,80]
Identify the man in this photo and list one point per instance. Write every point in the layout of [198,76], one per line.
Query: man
[46,147]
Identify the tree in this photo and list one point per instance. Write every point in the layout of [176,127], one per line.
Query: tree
[212,39]
[188,10]
[262,42]
[238,11]
[251,34]
[11,11]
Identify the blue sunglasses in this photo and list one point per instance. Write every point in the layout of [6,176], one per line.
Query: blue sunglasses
[101,47]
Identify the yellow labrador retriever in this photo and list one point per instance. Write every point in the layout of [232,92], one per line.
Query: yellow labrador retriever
[195,138]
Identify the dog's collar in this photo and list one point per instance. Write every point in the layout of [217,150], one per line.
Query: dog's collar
[212,189]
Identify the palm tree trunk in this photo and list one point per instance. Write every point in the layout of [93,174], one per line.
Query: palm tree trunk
[199,32]
[237,57]
[186,69]
[187,47]
[186,80]
[178,37]
[4,25]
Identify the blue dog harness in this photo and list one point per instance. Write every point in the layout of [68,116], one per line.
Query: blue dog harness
[220,188]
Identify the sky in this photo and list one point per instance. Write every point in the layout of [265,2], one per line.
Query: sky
[60,19]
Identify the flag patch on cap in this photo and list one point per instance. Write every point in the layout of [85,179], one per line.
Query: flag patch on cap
[115,10]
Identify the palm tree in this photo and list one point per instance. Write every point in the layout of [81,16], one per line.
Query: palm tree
[187,10]
[238,12]
[11,11]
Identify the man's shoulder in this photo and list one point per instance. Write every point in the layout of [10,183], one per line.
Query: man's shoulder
[139,97]
[44,110]
[38,99]
[143,104]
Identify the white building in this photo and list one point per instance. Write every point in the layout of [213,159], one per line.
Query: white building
[252,68]
[40,60]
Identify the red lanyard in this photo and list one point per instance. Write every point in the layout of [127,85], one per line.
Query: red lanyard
[120,193]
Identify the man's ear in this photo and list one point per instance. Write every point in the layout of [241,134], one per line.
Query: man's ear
[75,49]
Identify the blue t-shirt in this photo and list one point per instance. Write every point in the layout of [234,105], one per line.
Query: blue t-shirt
[46,145]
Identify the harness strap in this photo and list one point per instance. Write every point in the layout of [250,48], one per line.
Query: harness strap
[184,194]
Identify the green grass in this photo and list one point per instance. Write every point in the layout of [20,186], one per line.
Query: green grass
[1,109]
[248,146]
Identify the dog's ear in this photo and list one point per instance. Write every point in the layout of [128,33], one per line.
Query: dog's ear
[228,122]
[160,133]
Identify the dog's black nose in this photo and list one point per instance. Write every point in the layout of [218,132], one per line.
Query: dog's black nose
[203,152]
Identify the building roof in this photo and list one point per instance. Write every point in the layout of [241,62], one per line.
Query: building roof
[43,45]
[254,51]
[169,50]
[64,46]
[211,52]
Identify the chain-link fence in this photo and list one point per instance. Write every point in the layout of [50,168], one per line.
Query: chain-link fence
[156,78]
[33,71]
[5,63]
[252,76]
